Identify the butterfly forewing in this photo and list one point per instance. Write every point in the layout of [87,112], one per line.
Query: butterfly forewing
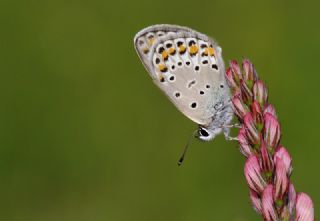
[187,66]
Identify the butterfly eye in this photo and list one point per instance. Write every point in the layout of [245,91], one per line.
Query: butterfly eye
[203,133]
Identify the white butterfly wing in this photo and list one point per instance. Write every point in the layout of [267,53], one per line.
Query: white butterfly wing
[187,66]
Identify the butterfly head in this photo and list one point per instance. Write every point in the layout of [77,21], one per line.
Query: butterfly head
[207,134]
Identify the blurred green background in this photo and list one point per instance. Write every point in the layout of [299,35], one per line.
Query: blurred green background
[85,135]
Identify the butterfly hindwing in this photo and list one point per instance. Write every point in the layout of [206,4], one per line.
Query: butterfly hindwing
[187,66]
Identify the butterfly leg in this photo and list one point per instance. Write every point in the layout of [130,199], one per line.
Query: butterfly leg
[226,132]
[236,125]
[232,138]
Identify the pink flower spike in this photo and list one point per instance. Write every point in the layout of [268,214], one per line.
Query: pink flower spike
[304,208]
[283,154]
[281,179]
[253,174]
[269,109]
[240,108]
[256,202]
[267,165]
[268,210]
[260,92]
[251,129]
[244,145]
[230,79]
[271,131]
[291,198]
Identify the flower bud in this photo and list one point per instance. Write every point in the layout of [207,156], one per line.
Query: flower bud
[246,93]
[282,153]
[260,92]
[252,132]
[248,70]
[249,74]
[291,198]
[257,114]
[266,162]
[271,131]
[253,174]
[240,108]
[304,208]
[244,144]
[230,79]
[281,179]
[256,202]
[268,210]
[269,109]
[236,70]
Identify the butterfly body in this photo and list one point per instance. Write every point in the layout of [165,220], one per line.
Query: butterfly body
[188,67]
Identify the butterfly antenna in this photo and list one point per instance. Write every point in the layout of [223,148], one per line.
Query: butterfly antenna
[186,148]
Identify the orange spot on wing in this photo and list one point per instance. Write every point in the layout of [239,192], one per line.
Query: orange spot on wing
[211,51]
[165,55]
[182,49]
[161,78]
[171,51]
[162,67]
[146,50]
[151,41]
[206,52]
[193,49]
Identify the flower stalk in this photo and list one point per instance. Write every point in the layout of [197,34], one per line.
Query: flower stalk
[268,166]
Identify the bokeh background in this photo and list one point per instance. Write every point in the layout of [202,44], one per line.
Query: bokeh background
[85,135]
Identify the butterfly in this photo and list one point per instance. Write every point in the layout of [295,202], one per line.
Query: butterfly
[188,67]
